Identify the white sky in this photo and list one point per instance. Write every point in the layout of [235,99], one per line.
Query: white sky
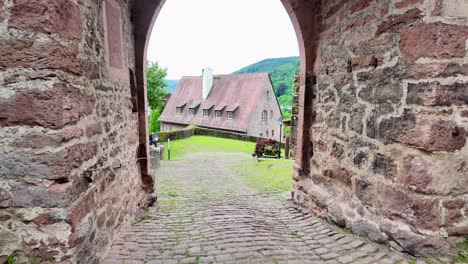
[224,35]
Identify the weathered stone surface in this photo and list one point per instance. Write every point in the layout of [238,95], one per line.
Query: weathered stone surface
[93,129]
[381,86]
[416,173]
[434,70]
[365,191]
[435,94]
[364,61]
[437,11]
[2,12]
[384,165]
[420,213]
[41,55]
[51,218]
[429,135]
[340,174]
[406,3]
[435,40]
[413,243]
[453,209]
[455,8]
[16,194]
[361,4]
[457,230]
[337,216]
[48,165]
[53,108]
[364,228]
[56,16]
[395,22]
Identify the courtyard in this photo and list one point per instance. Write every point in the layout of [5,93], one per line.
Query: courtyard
[217,204]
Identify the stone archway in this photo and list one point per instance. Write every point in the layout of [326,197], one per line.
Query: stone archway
[305,26]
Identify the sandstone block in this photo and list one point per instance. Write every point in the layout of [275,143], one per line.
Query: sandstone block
[434,70]
[44,55]
[455,8]
[453,209]
[54,108]
[418,212]
[364,61]
[406,3]
[360,5]
[364,228]
[435,94]
[395,22]
[2,12]
[429,135]
[385,166]
[21,195]
[48,16]
[416,172]
[54,166]
[340,174]
[413,243]
[435,40]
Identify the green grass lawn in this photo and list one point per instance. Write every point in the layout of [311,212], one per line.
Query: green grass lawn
[269,175]
[207,144]
[266,175]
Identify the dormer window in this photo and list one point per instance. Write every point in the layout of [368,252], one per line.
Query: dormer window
[192,111]
[179,110]
[218,114]
[231,110]
[206,112]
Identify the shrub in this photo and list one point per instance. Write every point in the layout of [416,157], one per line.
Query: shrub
[266,147]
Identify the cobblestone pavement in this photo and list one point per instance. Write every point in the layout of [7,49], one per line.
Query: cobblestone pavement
[206,214]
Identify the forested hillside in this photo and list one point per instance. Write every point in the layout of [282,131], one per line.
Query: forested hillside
[282,71]
[171,85]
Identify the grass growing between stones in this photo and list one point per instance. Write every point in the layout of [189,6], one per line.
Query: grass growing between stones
[461,249]
[194,144]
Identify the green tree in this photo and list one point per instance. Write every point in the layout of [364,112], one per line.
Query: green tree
[156,91]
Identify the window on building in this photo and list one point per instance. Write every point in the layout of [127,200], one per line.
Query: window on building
[179,110]
[206,112]
[261,134]
[272,133]
[271,114]
[192,111]
[230,115]
[218,114]
[268,94]
[267,134]
[264,117]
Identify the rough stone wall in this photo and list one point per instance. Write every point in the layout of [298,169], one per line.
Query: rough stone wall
[63,112]
[390,122]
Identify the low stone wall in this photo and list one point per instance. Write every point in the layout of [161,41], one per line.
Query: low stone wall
[190,131]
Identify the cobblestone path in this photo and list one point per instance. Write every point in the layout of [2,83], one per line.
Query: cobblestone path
[206,214]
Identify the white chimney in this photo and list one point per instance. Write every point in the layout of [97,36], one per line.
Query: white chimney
[207,82]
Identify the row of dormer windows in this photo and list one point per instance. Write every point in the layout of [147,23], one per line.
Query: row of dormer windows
[206,112]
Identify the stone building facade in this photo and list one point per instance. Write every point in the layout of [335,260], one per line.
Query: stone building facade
[240,103]
[381,130]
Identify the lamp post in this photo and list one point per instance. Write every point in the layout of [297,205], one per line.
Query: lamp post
[280,120]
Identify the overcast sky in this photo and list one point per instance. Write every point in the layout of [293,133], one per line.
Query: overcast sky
[224,35]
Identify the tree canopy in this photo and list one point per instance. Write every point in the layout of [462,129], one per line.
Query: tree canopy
[156,92]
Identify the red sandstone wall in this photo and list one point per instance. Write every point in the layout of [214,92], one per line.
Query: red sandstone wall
[63,111]
[390,122]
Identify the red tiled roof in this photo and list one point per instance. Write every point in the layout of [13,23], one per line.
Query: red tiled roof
[229,92]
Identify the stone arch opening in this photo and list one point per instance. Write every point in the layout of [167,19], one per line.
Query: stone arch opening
[304,26]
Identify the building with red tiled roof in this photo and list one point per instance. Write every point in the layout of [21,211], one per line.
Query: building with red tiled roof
[242,103]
